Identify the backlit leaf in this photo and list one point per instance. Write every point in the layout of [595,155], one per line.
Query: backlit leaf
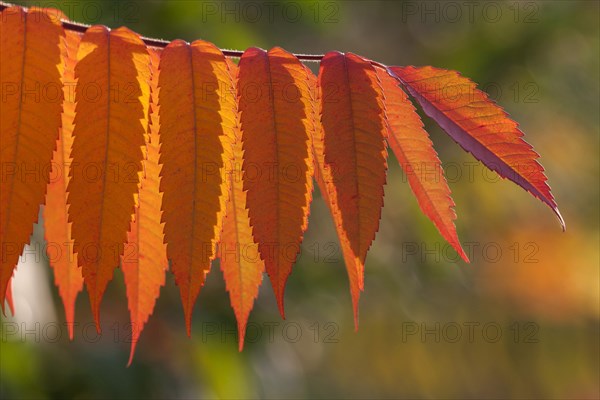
[31,50]
[144,261]
[479,125]
[352,115]
[112,98]
[197,122]
[240,260]
[57,228]
[275,106]
[415,153]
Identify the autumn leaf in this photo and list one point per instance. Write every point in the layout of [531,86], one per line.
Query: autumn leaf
[411,144]
[324,179]
[112,96]
[352,116]
[144,261]
[479,126]
[275,106]
[31,49]
[57,228]
[197,122]
[240,260]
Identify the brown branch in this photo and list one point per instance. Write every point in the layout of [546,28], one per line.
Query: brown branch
[159,43]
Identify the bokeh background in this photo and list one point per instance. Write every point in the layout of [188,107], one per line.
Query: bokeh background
[520,321]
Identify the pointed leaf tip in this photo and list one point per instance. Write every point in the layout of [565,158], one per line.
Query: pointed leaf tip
[96,314]
[356,318]
[463,255]
[70,328]
[187,314]
[241,335]
[9,299]
[134,340]
[280,305]
[560,219]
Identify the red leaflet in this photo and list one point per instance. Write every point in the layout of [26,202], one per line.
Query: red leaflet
[418,159]
[479,125]
[275,104]
[354,149]
[324,178]
[144,261]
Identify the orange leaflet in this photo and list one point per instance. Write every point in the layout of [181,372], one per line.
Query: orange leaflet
[112,96]
[31,46]
[67,274]
[197,122]
[144,261]
[240,261]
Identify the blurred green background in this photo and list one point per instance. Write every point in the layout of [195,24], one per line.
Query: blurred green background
[521,321]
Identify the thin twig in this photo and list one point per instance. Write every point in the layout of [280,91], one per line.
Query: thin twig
[161,43]
[158,43]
